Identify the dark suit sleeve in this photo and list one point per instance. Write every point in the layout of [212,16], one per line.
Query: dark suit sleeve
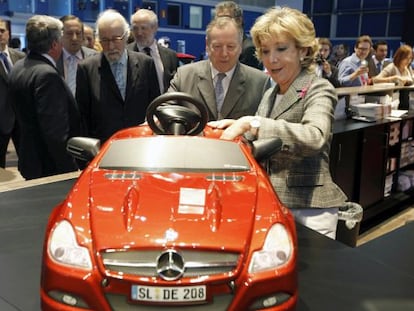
[83,99]
[154,88]
[333,78]
[6,111]
[170,62]
[52,105]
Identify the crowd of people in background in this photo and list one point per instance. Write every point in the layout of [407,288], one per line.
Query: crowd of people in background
[370,63]
[78,80]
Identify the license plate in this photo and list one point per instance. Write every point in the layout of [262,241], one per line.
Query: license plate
[168,294]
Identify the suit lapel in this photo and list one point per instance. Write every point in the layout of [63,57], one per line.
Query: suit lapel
[235,92]
[166,63]
[294,94]
[163,57]
[13,56]
[60,66]
[3,73]
[108,78]
[132,74]
[206,89]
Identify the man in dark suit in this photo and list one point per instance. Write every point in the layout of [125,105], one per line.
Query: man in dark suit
[73,49]
[144,25]
[242,87]
[114,87]
[378,61]
[233,10]
[45,107]
[8,127]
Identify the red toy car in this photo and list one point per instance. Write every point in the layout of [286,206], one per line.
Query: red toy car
[168,216]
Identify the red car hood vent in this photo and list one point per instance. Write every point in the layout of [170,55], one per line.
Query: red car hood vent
[171,209]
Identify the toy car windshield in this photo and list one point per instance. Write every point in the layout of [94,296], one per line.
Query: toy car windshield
[174,154]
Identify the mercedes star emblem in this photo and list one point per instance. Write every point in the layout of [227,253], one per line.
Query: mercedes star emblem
[170,265]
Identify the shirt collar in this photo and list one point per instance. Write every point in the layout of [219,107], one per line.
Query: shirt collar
[6,51]
[153,46]
[50,58]
[214,71]
[66,54]
[376,61]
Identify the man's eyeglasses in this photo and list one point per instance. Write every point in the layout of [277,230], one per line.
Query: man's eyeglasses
[106,41]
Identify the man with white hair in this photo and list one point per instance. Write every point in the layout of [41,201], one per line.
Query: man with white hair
[114,87]
[144,25]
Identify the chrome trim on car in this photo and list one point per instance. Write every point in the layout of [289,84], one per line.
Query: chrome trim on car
[235,178]
[144,263]
[122,176]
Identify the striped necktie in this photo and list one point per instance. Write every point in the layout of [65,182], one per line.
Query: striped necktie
[3,58]
[219,90]
[379,67]
[72,66]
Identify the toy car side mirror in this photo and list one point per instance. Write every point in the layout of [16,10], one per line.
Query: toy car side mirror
[83,148]
[265,148]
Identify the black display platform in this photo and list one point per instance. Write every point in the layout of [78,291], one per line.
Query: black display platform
[377,276]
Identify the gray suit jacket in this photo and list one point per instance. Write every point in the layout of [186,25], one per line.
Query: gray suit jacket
[246,88]
[303,120]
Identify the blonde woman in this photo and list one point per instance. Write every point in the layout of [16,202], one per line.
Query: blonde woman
[300,110]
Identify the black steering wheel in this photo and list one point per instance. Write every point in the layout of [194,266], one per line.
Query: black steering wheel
[175,116]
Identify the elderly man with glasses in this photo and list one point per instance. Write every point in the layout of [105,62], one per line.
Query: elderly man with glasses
[114,87]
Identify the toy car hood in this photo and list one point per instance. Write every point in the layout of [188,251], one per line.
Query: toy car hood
[152,210]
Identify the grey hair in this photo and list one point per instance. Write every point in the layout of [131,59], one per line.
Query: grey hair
[41,32]
[112,15]
[220,23]
[147,13]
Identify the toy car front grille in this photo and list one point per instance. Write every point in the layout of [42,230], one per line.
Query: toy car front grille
[144,263]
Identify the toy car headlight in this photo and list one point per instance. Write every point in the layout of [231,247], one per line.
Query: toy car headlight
[64,248]
[276,250]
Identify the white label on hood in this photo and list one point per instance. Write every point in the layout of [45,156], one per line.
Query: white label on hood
[192,201]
